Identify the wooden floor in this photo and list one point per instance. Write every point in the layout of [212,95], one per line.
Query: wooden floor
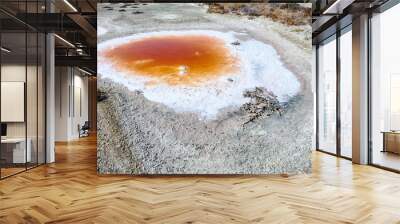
[387,159]
[70,191]
[5,172]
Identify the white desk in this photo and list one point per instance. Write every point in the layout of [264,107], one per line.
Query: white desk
[19,155]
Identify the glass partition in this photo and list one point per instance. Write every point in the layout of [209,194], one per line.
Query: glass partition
[41,97]
[22,101]
[13,94]
[31,98]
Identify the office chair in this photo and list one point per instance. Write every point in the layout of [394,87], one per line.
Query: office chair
[84,130]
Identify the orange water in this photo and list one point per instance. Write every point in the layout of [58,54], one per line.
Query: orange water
[176,60]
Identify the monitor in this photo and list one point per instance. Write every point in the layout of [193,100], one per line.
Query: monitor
[3,129]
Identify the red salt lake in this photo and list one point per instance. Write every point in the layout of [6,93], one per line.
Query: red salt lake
[176,60]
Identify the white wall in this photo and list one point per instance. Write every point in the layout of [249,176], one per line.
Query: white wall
[12,73]
[13,101]
[62,81]
[80,109]
[70,83]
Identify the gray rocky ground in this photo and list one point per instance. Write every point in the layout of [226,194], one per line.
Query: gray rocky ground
[138,136]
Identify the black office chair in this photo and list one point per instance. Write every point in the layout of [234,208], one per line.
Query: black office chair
[84,130]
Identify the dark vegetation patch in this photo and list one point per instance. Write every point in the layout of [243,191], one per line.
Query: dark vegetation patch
[286,13]
[262,102]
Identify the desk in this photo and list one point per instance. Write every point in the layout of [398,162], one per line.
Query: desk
[15,148]
[391,141]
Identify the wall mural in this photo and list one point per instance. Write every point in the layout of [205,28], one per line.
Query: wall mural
[204,88]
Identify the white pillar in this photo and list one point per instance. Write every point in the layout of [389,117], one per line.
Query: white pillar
[360,90]
[50,99]
[50,92]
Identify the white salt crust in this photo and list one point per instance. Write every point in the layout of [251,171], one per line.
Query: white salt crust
[101,31]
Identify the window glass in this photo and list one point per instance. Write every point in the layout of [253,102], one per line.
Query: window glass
[327,96]
[385,87]
[346,94]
